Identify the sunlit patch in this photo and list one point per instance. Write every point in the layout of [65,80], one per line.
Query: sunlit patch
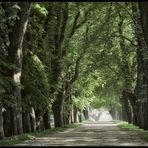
[105,116]
[17,77]
[99,115]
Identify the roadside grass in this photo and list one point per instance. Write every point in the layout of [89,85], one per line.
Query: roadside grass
[128,127]
[9,141]
[143,134]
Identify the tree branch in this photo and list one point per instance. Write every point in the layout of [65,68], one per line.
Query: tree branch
[64,22]
[79,58]
[76,69]
[85,17]
[75,25]
[115,35]
[75,21]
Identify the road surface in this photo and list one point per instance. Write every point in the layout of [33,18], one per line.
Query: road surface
[98,133]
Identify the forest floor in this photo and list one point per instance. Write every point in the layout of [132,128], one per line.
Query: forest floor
[99,133]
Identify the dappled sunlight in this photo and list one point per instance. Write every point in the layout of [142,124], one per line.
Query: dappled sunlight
[69,72]
[99,133]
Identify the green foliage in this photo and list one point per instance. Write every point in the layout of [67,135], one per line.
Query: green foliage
[102,66]
[127,126]
[47,47]
[35,81]
[40,9]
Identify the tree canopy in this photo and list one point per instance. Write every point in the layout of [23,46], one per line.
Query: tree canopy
[61,57]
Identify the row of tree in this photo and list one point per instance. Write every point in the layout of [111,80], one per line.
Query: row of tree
[59,57]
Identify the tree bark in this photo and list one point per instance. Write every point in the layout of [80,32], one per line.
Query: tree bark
[1,121]
[80,116]
[57,61]
[46,119]
[126,104]
[57,108]
[33,120]
[140,19]
[26,122]
[126,114]
[76,119]
[144,22]
[15,53]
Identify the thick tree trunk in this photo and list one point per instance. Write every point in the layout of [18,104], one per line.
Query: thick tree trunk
[76,119]
[80,116]
[144,21]
[14,121]
[1,121]
[140,22]
[126,75]
[46,119]
[10,122]
[67,110]
[7,119]
[59,52]
[126,111]
[15,54]
[26,122]
[57,108]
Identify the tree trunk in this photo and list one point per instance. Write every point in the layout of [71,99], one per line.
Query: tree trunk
[144,22]
[57,68]
[140,21]
[57,108]
[80,116]
[26,122]
[33,120]
[72,114]
[67,111]
[14,121]
[46,119]
[126,111]
[15,54]
[76,119]
[126,75]
[1,121]
[10,123]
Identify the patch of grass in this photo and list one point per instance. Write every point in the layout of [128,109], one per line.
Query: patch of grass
[8,141]
[143,135]
[128,127]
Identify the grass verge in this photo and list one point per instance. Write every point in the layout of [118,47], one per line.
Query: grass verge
[9,141]
[143,134]
[128,127]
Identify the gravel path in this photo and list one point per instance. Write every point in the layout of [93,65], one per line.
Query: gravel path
[89,134]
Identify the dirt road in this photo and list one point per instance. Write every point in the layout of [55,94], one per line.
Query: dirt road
[89,134]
